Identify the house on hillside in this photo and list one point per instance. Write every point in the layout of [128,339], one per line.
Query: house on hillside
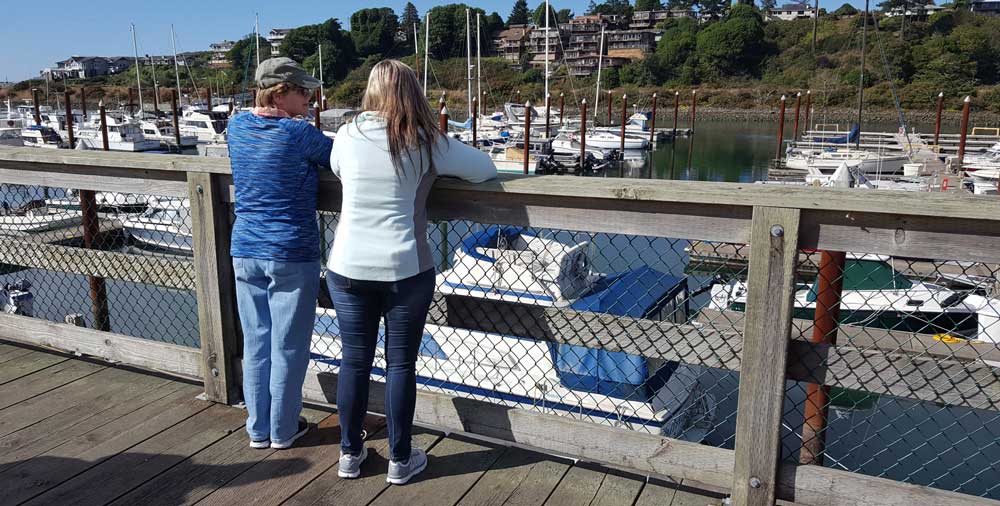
[220,51]
[644,20]
[510,43]
[275,37]
[919,12]
[82,67]
[988,7]
[631,44]
[791,12]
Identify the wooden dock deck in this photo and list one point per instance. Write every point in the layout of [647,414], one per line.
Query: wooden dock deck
[86,433]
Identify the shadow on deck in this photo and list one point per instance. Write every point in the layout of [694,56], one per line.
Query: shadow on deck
[78,432]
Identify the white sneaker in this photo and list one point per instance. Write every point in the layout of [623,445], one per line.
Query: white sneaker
[260,445]
[401,472]
[350,465]
[282,445]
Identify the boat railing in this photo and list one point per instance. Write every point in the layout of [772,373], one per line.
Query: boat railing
[814,345]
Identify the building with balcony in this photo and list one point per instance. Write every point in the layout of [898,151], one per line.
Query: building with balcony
[82,67]
[538,39]
[631,44]
[220,50]
[791,12]
[510,43]
[275,37]
[644,20]
[988,7]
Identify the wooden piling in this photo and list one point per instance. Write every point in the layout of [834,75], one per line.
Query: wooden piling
[694,106]
[177,120]
[475,121]
[527,135]
[827,315]
[624,112]
[34,103]
[319,108]
[443,117]
[548,113]
[677,105]
[798,103]
[808,109]
[937,122]
[91,229]
[652,126]
[69,119]
[583,133]
[609,108]
[156,99]
[208,97]
[781,129]
[104,125]
[964,132]
[562,114]
[131,100]
[83,102]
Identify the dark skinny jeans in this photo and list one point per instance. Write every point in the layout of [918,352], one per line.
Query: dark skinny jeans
[361,306]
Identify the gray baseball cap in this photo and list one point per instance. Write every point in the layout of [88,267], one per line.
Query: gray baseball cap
[275,71]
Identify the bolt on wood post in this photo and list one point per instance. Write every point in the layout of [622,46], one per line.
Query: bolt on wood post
[34,104]
[652,126]
[475,121]
[781,129]
[677,106]
[937,122]
[527,134]
[694,106]
[808,110]
[583,133]
[827,315]
[624,112]
[548,115]
[964,131]
[774,239]
[562,114]
[69,119]
[798,103]
[177,120]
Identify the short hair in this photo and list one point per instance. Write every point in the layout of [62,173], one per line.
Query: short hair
[266,97]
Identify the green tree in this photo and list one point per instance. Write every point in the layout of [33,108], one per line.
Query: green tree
[648,5]
[611,7]
[519,14]
[490,25]
[845,10]
[409,18]
[712,9]
[734,46]
[339,56]
[245,49]
[374,31]
[680,4]
[447,37]
[676,49]
[564,15]
[767,5]
[555,17]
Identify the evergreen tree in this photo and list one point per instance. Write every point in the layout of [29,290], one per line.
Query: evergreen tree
[519,14]
[611,8]
[648,5]
[767,5]
[409,18]
[374,31]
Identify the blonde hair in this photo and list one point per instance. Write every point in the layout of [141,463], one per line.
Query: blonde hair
[267,96]
[395,94]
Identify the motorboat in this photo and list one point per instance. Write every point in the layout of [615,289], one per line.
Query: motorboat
[613,140]
[985,181]
[35,216]
[826,160]
[990,159]
[878,296]
[40,136]
[165,225]
[207,126]
[162,130]
[11,136]
[123,135]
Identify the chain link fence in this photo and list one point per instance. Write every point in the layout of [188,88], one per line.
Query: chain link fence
[44,241]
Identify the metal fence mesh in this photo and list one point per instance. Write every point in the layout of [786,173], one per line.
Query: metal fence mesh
[43,243]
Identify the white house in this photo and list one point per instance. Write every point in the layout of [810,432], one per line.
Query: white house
[988,7]
[791,12]
[275,37]
[915,11]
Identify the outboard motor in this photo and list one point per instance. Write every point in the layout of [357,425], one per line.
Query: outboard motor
[18,299]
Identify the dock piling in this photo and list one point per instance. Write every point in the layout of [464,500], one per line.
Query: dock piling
[527,134]
[937,122]
[91,229]
[798,103]
[562,116]
[69,119]
[443,116]
[583,133]
[808,109]
[156,99]
[652,126]
[83,102]
[548,111]
[624,112]
[319,108]
[104,125]
[609,108]
[677,105]
[694,107]
[475,120]
[781,129]
[131,100]
[964,132]
[34,104]
[177,127]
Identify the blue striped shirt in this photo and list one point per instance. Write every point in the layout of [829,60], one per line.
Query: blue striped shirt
[274,163]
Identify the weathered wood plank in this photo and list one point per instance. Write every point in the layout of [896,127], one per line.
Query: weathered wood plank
[453,467]
[283,473]
[215,288]
[171,358]
[158,271]
[519,477]
[770,293]
[578,486]
[103,161]
[124,471]
[10,352]
[40,473]
[55,430]
[688,495]
[26,365]
[56,376]
[618,488]
[141,182]
[328,489]
[657,493]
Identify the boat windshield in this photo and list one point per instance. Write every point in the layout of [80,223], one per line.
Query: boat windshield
[862,274]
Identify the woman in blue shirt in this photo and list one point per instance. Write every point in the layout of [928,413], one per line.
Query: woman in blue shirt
[275,247]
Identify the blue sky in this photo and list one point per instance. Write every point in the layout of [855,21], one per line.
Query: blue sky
[36,35]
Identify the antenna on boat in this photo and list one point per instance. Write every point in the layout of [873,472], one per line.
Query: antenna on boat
[468,61]
[546,48]
[138,76]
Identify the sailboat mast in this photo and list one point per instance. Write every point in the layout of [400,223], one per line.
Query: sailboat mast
[256,33]
[468,60]
[138,76]
[861,86]
[427,47]
[546,48]
[321,65]
[479,71]
[600,60]
[177,71]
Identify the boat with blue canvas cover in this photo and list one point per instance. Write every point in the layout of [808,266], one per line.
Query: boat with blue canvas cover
[615,388]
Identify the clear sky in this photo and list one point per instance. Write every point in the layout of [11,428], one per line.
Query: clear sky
[36,35]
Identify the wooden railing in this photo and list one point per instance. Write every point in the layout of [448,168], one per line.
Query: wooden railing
[775,221]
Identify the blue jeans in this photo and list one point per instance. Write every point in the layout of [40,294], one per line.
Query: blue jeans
[277,304]
[360,306]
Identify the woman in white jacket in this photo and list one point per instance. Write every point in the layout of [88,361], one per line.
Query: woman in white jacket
[381,265]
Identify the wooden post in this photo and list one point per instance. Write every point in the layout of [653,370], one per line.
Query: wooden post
[548,115]
[808,110]
[562,114]
[677,105]
[964,131]
[69,119]
[652,126]
[827,315]
[937,122]
[208,97]
[798,103]
[215,288]
[104,124]
[475,121]
[34,103]
[774,241]
[156,99]
[319,108]
[443,117]
[177,120]
[91,229]
[624,112]
[83,102]
[583,133]
[527,134]
[781,129]
[694,106]
[443,126]
[131,101]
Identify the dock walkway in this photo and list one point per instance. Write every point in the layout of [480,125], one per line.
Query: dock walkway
[86,433]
